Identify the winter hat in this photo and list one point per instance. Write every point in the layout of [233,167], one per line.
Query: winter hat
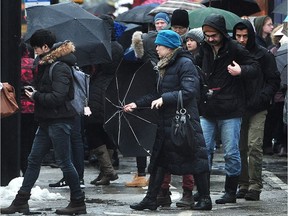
[195,34]
[162,16]
[180,18]
[168,38]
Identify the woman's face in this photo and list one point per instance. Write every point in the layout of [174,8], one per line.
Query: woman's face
[191,44]
[163,51]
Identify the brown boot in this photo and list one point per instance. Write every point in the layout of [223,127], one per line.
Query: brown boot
[19,204]
[138,181]
[109,174]
[75,207]
[187,199]
[98,178]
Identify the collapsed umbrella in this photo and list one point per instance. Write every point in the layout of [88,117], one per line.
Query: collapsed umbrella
[68,21]
[134,132]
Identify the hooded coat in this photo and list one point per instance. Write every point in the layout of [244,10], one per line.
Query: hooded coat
[261,90]
[259,23]
[52,99]
[180,74]
[228,98]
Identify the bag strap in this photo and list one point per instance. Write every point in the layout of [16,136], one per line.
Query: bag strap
[51,69]
[180,107]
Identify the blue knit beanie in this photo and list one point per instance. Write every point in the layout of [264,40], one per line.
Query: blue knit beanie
[168,38]
[162,16]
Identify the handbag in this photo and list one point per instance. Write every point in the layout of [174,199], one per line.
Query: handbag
[8,104]
[182,131]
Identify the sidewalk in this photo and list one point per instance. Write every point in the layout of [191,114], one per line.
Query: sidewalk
[116,198]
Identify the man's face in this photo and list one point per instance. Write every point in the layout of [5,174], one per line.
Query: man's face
[181,30]
[40,50]
[242,36]
[160,25]
[213,38]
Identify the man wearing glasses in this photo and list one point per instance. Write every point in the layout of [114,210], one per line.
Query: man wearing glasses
[225,64]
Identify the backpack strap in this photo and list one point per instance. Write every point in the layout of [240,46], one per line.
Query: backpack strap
[51,69]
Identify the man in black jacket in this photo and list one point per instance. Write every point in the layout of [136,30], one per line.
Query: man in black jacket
[259,93]
[55,116]
[225,64]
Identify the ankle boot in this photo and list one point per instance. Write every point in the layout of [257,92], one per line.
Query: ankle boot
[75,207]
[204,203]
[163,198]
[109,174]
[231,184]
[187,199]
[98,178]
[19,204]
[146,203]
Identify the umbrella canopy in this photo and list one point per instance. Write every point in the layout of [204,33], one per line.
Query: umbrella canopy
[68,21]
[172,5]
[101,8]
[197,17]
[281,8]
[138,14]
[239,7]
[134,132]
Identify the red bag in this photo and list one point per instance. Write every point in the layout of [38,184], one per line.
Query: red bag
[8,103]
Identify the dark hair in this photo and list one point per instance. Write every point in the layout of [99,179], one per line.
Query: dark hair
[241,26]
[42,37]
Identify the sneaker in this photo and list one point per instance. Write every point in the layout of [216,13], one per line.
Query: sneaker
[241,193]
[138,181]
[82,185]
[61,183]
[253,195]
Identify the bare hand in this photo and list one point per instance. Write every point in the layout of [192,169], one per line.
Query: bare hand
[129,107]
[234,69]
[157,103]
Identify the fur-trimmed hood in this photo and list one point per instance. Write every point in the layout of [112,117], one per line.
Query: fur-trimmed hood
[137,44]
[61,51]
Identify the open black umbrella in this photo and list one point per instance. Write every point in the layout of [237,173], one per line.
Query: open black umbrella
[281,8]
[101,8]
[138,14]
[69,21]
[239,7]
[134,132]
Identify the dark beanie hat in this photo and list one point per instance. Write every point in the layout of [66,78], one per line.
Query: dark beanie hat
[180,18]
[168,38]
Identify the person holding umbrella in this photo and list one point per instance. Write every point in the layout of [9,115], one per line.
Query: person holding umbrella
[55,115]
[176,72]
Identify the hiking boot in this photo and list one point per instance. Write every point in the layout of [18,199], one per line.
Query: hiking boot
[226,198]
[241,193]
[19,204]
[204,203]
[146,203]
[252,195]
[75,207]
[138,181]
[61,183]
[163,198]
[187,199]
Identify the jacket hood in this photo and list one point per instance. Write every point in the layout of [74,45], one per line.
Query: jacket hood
[217,22]
[258,23]
[61,51]
[251,34]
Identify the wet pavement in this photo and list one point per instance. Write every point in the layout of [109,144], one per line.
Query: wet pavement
[116,198]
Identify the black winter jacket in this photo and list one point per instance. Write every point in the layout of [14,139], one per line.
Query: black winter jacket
[52,99]
[180,74]
[261,90]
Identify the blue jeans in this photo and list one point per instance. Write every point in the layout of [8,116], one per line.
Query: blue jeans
[57,134]
[77,146]
[230,134]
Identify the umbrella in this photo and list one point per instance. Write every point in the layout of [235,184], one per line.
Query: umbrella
[239,7]
[153,1]
[101,8]
[197,17]
[134,132]
[172,5]
[138,14]
[281,8]
[68,21]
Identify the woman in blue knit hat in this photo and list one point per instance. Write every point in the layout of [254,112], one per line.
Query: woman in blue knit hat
[176,72]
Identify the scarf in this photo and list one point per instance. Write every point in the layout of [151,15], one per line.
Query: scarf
[161,65]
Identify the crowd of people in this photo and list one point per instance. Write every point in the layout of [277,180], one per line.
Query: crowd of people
[245,90]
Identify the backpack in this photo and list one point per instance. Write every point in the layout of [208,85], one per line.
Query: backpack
[81,82]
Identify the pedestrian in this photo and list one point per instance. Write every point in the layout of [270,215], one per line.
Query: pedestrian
[193,40]
[55,115]
[225,64]
[259,93]
[180,22]
[176,72]
[263,27]
[98,140]
[144,49]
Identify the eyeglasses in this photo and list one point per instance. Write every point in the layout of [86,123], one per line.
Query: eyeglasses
[211,36]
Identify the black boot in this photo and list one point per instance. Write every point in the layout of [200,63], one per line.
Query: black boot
[231,184]
[19,204]
[187,199]
[204,202]
[75,207]
[150,200]
[163,198]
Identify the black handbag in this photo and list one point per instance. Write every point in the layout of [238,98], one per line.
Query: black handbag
[182,131]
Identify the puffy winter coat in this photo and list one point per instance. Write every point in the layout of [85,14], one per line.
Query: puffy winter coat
[180,74]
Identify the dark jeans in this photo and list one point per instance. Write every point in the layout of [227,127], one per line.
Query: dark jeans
[77,146]
[59,135]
